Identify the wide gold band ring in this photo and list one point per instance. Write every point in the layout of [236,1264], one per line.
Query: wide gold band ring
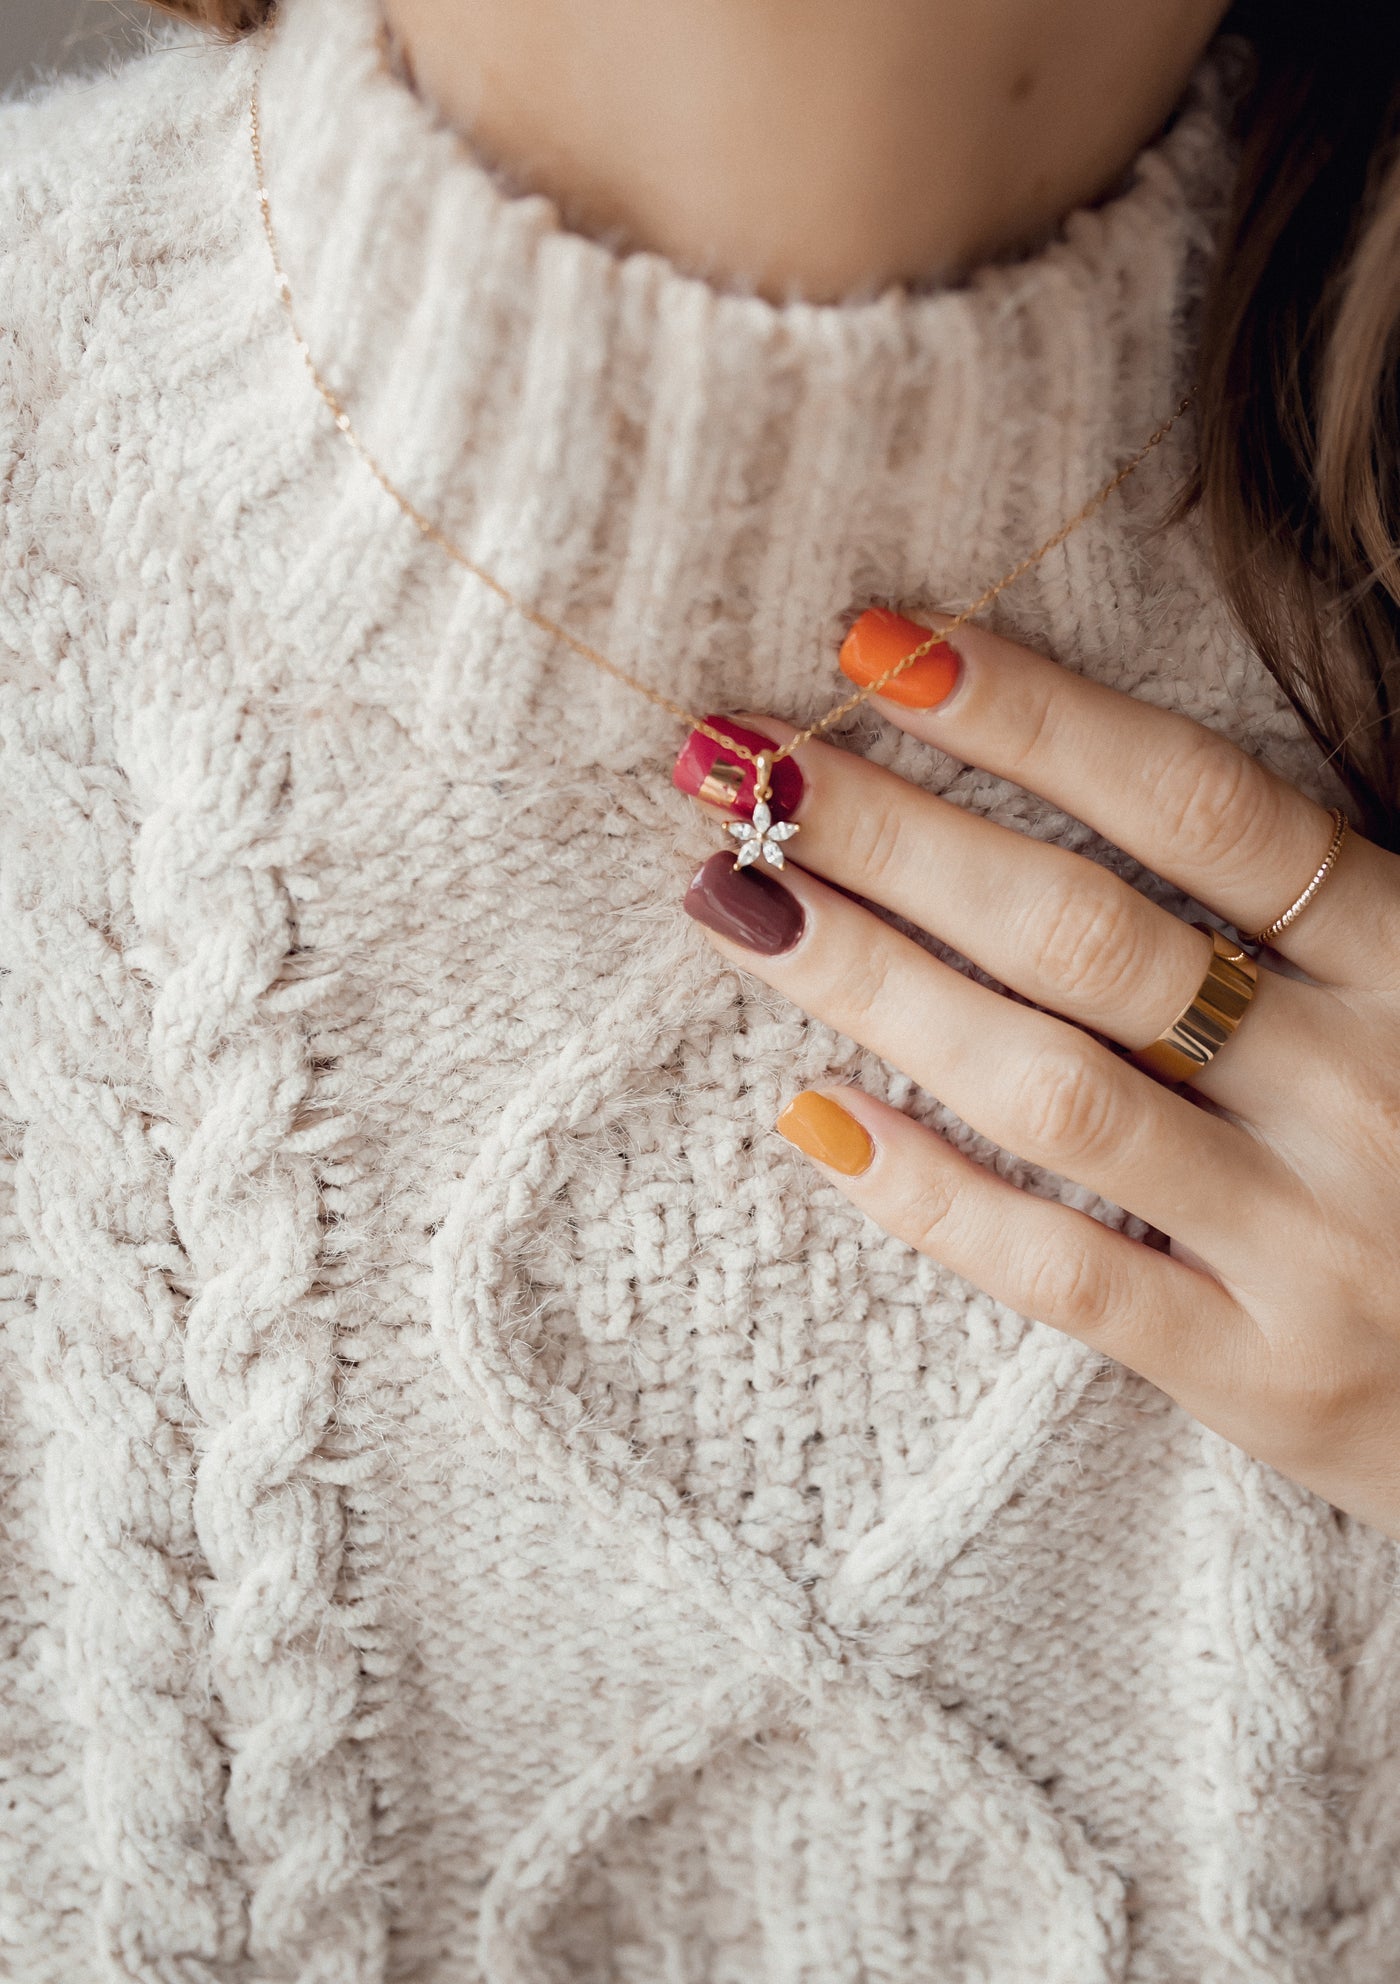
[1201,1029]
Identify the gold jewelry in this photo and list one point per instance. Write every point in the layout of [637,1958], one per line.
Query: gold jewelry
[1329,862]
[762,761]
[1201,1029]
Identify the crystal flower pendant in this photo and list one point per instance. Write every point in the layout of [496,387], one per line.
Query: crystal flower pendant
[761,837]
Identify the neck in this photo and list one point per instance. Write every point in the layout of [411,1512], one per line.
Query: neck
[811,147]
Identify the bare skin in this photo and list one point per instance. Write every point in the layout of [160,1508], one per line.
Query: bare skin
[819,148]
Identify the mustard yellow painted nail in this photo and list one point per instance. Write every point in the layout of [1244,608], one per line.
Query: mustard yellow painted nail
[822,1129]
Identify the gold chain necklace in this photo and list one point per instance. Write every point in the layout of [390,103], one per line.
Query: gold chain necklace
[762,761]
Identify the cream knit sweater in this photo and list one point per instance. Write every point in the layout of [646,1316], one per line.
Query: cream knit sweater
[476,1506]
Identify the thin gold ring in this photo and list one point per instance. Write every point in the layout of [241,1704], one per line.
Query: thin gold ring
[1329,862]
[1201,1028]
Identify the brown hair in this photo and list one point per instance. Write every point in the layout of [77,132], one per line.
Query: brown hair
[1298,390]
[1299,380]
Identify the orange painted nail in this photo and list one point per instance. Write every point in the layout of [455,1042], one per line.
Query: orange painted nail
[879,639]
[822,1129]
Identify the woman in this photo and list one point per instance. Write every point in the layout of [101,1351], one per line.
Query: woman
[477,1504]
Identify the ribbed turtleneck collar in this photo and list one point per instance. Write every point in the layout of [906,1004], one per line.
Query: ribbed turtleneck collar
[632,449]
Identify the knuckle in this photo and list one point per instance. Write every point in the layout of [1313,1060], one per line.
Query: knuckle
[1367,1101]
[929,1213]
[1069,1106]
[1211,800]
[1087,936]
[1385,940]
[1315,1403]
[1377,1117]
[1070,1287]
[858,984]
[1352,1092]
[876,844]
[1027,730]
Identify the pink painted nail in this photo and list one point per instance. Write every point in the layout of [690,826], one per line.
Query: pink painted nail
[705,771]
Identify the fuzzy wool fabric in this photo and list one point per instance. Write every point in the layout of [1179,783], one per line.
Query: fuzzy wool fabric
[478,1509]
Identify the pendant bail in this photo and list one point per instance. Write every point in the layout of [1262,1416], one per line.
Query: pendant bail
[762,777]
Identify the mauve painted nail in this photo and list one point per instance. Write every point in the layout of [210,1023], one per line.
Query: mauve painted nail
[749,908]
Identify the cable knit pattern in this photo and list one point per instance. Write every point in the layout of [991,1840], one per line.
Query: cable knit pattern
[98,1276]
[477,1509]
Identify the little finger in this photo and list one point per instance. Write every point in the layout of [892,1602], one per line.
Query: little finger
[1166,1320]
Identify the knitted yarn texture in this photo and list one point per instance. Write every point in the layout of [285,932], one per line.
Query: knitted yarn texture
[477,1510]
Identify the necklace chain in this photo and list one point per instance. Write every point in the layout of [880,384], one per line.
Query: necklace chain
[585,649]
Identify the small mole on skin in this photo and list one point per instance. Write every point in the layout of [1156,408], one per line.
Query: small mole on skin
[1022,85]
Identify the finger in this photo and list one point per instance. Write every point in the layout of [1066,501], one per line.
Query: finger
[1173,1323]
[1049,924]
[1031,1083]
[1181,799]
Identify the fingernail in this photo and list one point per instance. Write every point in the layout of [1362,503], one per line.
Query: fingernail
[823,1129]
[706,772]
[879,639]
[739,903]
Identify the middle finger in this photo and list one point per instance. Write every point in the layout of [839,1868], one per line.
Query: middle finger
[1032,1084]
[1049,924]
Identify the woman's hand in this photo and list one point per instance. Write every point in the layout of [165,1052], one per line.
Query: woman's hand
[1275,1317]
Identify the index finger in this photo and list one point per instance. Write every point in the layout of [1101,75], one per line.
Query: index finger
[1184,801]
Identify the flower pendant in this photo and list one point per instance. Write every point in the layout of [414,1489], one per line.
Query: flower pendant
[762,836]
